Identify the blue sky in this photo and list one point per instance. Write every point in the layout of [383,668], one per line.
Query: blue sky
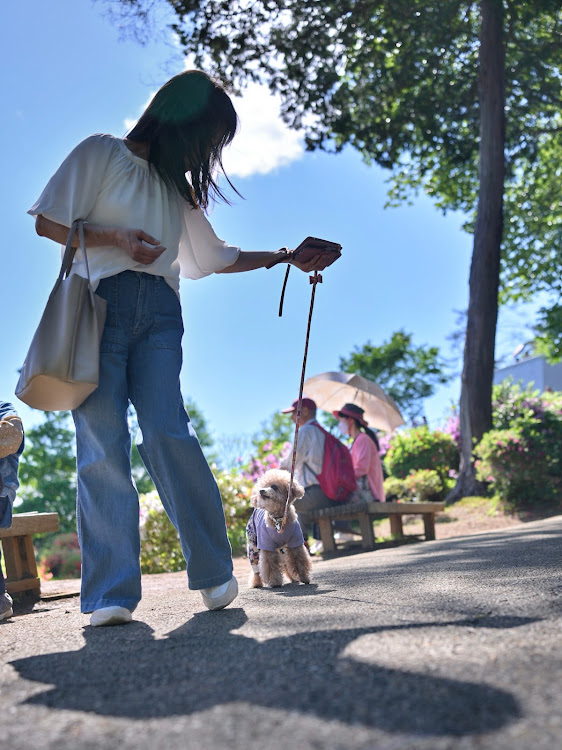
[67,75]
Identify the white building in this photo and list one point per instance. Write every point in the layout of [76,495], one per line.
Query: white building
[534,370]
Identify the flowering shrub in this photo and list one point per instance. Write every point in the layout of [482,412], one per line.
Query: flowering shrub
[423,485]
[522,457]
[267,456]
[419,486]
[394,489]
[452,427]
[235,489]
[61,558]
[385,442]
[160,546]
[419,448]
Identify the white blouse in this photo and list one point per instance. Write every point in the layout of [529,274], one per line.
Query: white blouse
[102,182]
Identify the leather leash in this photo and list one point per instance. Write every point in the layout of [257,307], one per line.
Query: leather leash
[314,280]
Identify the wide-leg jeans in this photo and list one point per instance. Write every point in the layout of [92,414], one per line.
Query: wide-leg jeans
[140,362]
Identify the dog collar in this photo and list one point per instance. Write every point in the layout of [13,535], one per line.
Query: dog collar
[277,521]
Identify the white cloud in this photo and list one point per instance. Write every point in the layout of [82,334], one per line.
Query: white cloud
[263,142]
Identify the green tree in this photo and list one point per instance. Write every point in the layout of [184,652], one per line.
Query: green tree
[47,470]
[277,430]
[408,373]
[459,98]
[548,339]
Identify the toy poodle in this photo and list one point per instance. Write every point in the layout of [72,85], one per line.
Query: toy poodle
[270,550]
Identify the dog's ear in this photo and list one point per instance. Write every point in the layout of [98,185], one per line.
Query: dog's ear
[298,490]
[254,496]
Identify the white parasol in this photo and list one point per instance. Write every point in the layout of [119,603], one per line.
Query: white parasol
[331,390]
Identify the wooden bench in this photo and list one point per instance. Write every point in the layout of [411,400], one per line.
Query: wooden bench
[365,513]
[19,555]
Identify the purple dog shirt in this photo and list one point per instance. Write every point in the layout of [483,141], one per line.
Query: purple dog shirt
[271,539]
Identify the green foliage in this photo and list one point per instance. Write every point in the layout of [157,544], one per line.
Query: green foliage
[548,339]
[47,470]
[60,558]
[407,373]
[275,433]
[160,546]
[235,489]
[424,485]
[400,83]
[394,489]
[418,487]
[419,448]
[521,457]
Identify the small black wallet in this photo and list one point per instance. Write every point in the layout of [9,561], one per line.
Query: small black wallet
[310,247]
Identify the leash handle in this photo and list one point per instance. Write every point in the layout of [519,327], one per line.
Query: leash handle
[314,280]
[283,291]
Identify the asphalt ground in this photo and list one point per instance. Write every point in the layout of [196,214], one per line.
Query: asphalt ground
[430,646]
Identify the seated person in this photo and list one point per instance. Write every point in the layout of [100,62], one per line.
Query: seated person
[364,453]
[308,464]
[11,447]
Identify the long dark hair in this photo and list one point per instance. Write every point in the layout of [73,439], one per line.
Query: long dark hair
[368,431]
[186,126]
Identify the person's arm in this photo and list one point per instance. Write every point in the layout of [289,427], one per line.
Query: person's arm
[139,245]
[250,261]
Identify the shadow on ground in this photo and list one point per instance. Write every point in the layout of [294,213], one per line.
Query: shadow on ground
[125,672]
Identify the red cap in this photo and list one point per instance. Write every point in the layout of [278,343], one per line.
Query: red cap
[307,403]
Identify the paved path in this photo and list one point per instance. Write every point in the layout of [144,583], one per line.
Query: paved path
[451,644]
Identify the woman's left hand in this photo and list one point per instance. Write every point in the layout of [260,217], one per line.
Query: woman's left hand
[317,263]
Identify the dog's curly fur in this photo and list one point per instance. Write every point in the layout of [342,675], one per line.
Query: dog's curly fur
[270,493]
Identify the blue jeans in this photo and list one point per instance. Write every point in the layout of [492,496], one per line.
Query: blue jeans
[140,361]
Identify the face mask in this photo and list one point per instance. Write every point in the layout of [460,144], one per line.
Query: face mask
[343,428]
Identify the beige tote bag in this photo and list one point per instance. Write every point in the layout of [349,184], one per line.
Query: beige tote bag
[62,365]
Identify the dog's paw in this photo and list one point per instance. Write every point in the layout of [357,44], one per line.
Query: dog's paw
[255,581]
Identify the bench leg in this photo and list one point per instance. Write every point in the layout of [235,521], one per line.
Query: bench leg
[366,526]
[21,566]
[327,534]
[396,528]
[429,525]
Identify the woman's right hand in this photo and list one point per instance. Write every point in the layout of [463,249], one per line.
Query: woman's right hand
[139,245]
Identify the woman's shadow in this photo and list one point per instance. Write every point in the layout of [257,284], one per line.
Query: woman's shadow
[125,672]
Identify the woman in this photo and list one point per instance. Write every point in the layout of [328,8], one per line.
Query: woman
[364,453]
[143,200]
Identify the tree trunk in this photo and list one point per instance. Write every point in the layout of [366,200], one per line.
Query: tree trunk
[478,365]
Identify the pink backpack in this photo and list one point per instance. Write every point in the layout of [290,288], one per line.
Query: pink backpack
[337,478]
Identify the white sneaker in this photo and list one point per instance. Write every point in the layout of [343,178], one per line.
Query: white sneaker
[219,597]
[344,536]
[6,609]
[316,548]
[110,616]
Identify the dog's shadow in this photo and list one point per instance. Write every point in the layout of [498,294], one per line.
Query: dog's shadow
[124,671]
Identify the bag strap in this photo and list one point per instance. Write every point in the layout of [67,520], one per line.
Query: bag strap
[70,252]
